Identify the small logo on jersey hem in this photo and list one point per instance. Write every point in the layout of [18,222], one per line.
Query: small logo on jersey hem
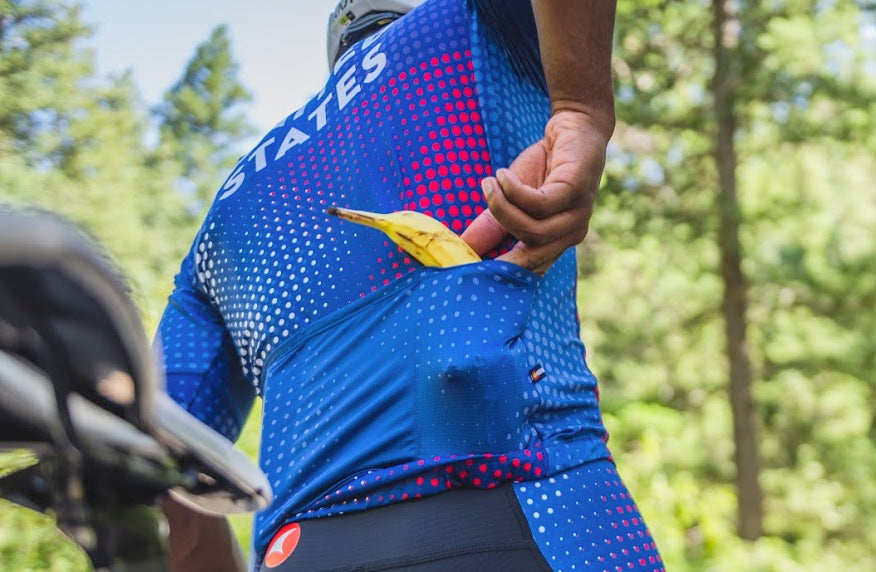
[537,374]
[282,545]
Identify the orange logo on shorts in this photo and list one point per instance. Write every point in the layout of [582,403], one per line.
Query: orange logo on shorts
[282,545]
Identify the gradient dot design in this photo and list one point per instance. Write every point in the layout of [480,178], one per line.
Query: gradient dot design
[382,380]
[585,519]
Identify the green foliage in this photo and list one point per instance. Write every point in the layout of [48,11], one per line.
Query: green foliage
[650,292]
[31,542]
[41,73]
[200,116]
[249,443]
[75,143]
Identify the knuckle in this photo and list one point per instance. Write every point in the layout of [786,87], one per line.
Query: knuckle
[532,237]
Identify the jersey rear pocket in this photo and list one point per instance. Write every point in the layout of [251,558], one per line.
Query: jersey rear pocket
[474,393]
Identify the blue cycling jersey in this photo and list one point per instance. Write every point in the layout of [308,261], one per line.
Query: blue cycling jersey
[383,380]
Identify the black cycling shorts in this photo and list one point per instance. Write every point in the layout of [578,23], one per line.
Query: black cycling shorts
[464,529]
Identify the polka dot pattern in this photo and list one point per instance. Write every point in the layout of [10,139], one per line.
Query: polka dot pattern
[397,380]
[585,519]
[382,380]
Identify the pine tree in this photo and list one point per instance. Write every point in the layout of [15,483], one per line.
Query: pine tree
[201,118]
[802,117]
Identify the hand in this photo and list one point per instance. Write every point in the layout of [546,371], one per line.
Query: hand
[545,198]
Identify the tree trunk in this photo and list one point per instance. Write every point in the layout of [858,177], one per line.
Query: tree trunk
[750,509]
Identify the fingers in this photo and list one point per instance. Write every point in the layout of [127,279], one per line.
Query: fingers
[545,198]
[568,225]
[484,233]
[538,260]
[575,167]
[539,202]
[531,164]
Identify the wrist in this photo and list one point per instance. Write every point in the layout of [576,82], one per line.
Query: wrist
[586,117]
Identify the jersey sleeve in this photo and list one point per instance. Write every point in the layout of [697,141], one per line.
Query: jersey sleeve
[511,25]
[512,90]
[201,366]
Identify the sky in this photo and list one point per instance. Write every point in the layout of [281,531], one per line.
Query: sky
[279,45]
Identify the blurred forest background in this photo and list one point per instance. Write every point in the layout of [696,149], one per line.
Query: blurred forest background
[727,287]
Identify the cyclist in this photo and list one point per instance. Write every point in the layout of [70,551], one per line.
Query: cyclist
[415,418]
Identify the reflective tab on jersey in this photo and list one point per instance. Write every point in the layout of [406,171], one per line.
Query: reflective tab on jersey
[282,545]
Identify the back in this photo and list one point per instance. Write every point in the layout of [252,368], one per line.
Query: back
[412,118]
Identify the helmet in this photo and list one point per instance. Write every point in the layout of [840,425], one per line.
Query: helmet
[352,20]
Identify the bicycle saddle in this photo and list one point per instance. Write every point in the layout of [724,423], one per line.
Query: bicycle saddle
[75,363]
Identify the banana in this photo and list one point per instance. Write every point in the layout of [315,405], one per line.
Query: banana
[420,235]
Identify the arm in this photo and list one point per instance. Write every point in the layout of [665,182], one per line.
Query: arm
[199,541]
[204,376]
[545,198]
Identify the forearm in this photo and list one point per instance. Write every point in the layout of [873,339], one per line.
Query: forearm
[200,542]
[575,39]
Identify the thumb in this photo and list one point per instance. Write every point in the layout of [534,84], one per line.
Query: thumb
[538,260]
